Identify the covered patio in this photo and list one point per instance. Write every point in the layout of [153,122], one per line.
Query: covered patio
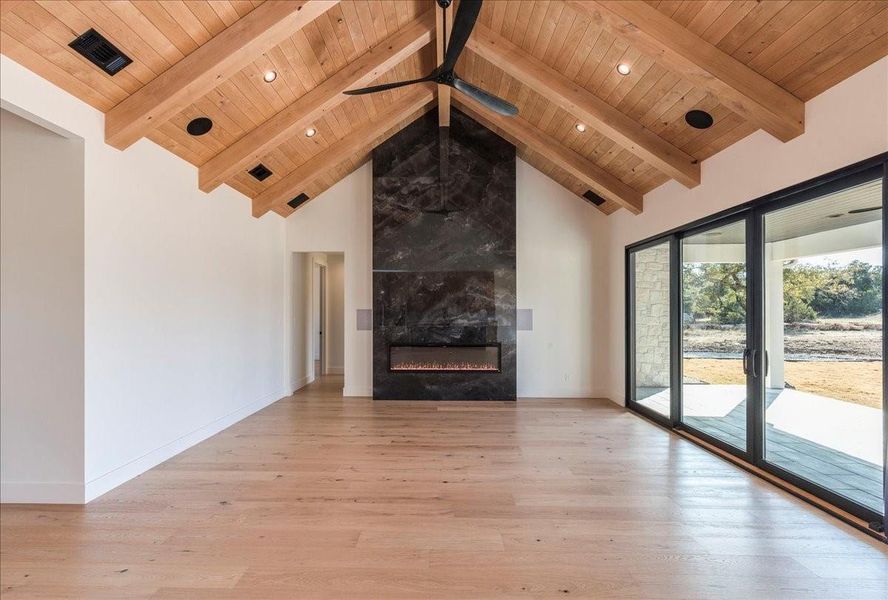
[832,443]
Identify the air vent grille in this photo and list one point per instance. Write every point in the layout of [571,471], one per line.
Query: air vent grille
[593,198]
[298,200]
[260,172]
[93,46]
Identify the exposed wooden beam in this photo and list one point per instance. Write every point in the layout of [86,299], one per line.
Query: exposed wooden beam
[296,181]
[208,66]
[752,96]
[443,25]
[599,181]
[311,107]
[586,106]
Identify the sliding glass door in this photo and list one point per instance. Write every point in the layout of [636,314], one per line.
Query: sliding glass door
[760,331]
[714,394]
[823,320]
[649,292]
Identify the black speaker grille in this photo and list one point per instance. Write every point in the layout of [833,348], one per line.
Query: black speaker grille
[298,200]
[260,172]
[593,198]
[93,46]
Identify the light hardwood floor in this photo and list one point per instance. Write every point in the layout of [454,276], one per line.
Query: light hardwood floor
[318,496]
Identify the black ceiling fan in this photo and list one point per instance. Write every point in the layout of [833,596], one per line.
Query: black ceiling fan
[463,24]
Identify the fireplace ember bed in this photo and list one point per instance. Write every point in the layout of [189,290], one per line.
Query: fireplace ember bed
[448,358]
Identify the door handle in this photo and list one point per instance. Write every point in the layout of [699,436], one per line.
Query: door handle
[767,363]
[746,361]
[754,362]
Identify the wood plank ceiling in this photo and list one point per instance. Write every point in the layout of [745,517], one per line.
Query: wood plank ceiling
[750,64]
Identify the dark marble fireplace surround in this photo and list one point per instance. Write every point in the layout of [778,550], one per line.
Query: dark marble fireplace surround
[444,258]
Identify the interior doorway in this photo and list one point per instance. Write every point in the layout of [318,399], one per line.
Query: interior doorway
[318,316]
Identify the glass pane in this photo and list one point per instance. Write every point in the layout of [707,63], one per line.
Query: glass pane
[714,332]
[651,311]
[823,334]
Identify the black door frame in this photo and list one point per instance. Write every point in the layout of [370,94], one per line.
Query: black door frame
[678,335]
[666,421]
[753,212]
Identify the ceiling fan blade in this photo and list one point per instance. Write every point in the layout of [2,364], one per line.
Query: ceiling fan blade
[463,23]
[494,103]
[386,86]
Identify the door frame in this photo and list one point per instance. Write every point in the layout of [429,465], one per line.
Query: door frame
[845,178]
[629,346]
[753,212]
[752,398]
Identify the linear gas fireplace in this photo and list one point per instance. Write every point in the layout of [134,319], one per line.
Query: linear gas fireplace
[445,358]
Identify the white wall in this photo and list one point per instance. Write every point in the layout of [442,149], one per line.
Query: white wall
[299,328]
[41,313]
[339,220]
[316,311]
[335,328]
[185,311]
[845,124]
[559,270]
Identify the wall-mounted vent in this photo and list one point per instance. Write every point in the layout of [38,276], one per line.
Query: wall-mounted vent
[100,52]
[298,200]
[260,172]
[593,198]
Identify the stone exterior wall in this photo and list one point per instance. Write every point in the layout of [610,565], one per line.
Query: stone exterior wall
[652,317]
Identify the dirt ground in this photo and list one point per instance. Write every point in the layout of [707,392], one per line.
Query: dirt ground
[865,344]
[856,382]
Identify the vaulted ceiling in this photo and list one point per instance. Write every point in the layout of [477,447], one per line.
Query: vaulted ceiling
[749,64]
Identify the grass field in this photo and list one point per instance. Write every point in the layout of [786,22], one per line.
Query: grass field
[856,382]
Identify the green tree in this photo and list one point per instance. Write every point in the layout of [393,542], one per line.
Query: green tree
[800,282]
[851,291]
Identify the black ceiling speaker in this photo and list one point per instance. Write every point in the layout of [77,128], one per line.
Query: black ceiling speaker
[463,23]
[593,198]
[298,200]
[199,126]
[260,172]
[99,51]
[699,119]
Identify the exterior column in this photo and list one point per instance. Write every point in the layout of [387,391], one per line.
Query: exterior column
[774,320]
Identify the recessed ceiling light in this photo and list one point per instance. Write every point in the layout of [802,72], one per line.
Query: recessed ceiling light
[199,126]
[310,132]
[270,76]
[623,69]
[580,127]
[699,119]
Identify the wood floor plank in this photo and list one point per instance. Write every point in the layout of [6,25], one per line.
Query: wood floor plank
[319,496]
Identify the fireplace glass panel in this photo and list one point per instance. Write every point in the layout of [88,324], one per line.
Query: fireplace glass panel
[444,358]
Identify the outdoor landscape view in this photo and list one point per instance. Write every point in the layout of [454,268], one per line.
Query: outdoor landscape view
[832,326]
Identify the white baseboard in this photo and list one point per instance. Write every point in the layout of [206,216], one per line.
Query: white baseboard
[301,383]
[357,392]
[556,392]
[31,492]
[335,370]
[107,482]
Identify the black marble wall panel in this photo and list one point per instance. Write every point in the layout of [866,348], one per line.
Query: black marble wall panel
[444,254]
